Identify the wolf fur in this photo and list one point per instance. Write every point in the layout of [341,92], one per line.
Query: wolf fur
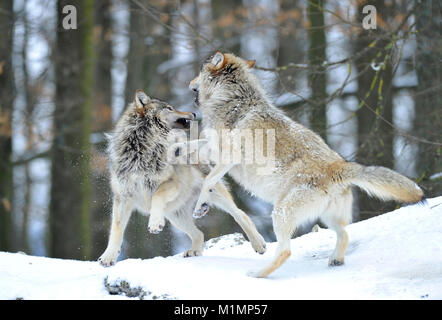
[309,180]
[143,179]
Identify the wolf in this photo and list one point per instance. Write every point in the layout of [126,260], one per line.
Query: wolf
[309,180]
[142,178]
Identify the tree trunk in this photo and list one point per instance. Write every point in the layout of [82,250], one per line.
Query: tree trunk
[135,60]
[103,66]
[156,53]
[375,135]
[100,182]
[317,75]
[428,120]
[7,93]
[29,93]
[70,189]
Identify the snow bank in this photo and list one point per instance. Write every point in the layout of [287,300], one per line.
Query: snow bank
[397,255]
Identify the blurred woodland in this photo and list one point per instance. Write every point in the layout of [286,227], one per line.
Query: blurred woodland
[373,94]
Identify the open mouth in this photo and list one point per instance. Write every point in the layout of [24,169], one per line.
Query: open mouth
[185,123]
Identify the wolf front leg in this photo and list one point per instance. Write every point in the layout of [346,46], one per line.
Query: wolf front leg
[167,192]
[121,212]
[209,183]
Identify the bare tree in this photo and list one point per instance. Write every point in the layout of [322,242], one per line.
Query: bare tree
[70,189]
[6,107]
[317,75]
[102,115]
[428,120]
[375,95]
[29,108]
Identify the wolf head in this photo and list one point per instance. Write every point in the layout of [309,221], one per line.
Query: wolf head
[145,106]
[222,77]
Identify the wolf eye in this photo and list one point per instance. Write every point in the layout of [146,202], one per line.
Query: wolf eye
[169,108]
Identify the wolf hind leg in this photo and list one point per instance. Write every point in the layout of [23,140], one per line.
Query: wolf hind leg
[336,216]
[298,206]
[283,227]
[121,212]
[184,221]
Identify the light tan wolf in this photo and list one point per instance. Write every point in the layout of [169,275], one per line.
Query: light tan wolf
[143,179]
[309,180]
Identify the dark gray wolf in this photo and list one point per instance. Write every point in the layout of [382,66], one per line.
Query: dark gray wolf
[143,179]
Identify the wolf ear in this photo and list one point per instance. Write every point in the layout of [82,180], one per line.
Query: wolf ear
[141,99]
[218,61]
[251,63]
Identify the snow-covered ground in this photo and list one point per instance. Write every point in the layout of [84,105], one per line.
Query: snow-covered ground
[397,255]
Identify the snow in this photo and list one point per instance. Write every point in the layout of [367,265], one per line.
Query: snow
[397,255]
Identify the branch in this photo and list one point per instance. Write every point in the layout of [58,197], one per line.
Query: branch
[348,59]
[25,160]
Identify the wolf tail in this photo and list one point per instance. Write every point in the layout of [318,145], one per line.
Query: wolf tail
[383,183]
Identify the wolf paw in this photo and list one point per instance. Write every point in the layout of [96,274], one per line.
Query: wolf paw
[192,253]
[335,262]
[259,246]
[107,259]
[156,229]
[156,225]
[255,274]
